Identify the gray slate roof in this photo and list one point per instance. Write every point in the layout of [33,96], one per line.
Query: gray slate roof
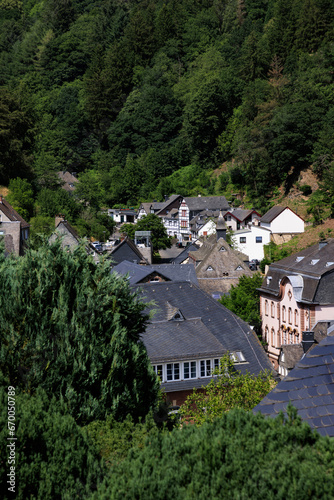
[172,272]
[224,327]
[272,214]
[310,272]
[310,389]
[207,202]
[185,253]
[12,214]
[126,250]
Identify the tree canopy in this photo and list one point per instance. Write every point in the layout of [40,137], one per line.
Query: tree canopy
[151,222]
[72,328]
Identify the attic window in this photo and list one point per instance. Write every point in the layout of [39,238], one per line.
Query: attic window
[239,268]
[178,316]
[269,278]
[314,262]
[298,259]
[222,249]
[237,357]
[209,268]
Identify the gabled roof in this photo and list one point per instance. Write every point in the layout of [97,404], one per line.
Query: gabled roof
[69,228]
[68,179]
[275,212]
[241,214]
[292,354]
[12,214]
[171,272]
[146,207]
[212,327]
[312,267]
[164,205]
[310,389]
[207,202]
[125,250]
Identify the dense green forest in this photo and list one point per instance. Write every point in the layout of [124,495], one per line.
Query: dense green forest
[147,97]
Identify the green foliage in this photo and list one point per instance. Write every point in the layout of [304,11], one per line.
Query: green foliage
[21,197]
[232,457]
[244,300]
[54,458]
[151,222]
[227,390]
[73,328]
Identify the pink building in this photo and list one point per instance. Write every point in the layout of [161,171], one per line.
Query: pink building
[297,292]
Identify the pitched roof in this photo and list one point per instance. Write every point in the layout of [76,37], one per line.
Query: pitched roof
[172,272]
[207,202]
[185,253]
[12,214]
[69,228]
[310,389]
[275,212]
[203,314]
[310,271]
[292,354]
[126,250]
[68,179]
[241,214]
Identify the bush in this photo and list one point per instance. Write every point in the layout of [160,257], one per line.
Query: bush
[239,455]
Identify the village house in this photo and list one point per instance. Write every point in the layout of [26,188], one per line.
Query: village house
[13,228]
[297,293]
[68,180]
[251,240]
[123,215]
[283,223]
[189,333]
[156,273]
[236,218]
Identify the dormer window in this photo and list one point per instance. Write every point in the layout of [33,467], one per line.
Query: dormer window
[239,268]
[328,264]
[269,278]
[209,268]
[178,316]
[298,259]
[222,249]
[314,262]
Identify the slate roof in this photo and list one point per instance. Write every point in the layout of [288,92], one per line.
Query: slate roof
[310,389]
[185,253]
[212,326]
[68,179]
[207,202]
[310,272]
[292,354]
[275,212]
[12,214]
[241,214]
[172,272]
[126,250]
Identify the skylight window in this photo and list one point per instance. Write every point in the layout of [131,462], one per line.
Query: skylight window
[237,357]
[209,268]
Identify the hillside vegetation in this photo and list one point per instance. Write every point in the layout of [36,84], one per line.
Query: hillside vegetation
[147,97]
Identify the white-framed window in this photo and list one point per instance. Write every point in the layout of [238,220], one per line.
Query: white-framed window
[189,369]
[158,370]
[172,371]
[242,239]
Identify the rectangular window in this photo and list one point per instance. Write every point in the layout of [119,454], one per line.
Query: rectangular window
[183,223]
[173,371]
[189,369]
[258,239]
[242,239]
[184,213]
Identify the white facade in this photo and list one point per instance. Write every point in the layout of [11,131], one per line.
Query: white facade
[287,222]
[207,229]
[250,241]
[184,221]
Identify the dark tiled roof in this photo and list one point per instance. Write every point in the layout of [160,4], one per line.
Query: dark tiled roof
[240,214]
[310,271]
[272,214]
[126,250]
[207,202]
[185,253]
[292,354]
[172,272]
[12,214]
[309,387]
[230,331]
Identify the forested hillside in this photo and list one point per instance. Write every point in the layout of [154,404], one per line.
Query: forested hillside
[147,97]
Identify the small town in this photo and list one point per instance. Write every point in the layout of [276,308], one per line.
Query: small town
[167,249]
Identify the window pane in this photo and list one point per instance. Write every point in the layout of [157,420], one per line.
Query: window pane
[186,370]
[176,371]
[208,368]
[202,368]
[193,369]
[216,363]
[169,372]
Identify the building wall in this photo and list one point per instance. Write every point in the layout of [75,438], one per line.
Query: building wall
[208,229]
[286,222]
[68,241]
[184,221]
[179,397]
[283,320]
[251,248]
[11,231]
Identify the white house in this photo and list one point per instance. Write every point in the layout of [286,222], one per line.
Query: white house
[236,218]
[251,240]
[282,220]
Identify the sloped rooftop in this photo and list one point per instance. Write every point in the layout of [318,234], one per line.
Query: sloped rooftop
[309,387]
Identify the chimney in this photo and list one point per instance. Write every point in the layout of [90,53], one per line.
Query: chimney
[58,219]
[307,340]
[166,197]
[1,199]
